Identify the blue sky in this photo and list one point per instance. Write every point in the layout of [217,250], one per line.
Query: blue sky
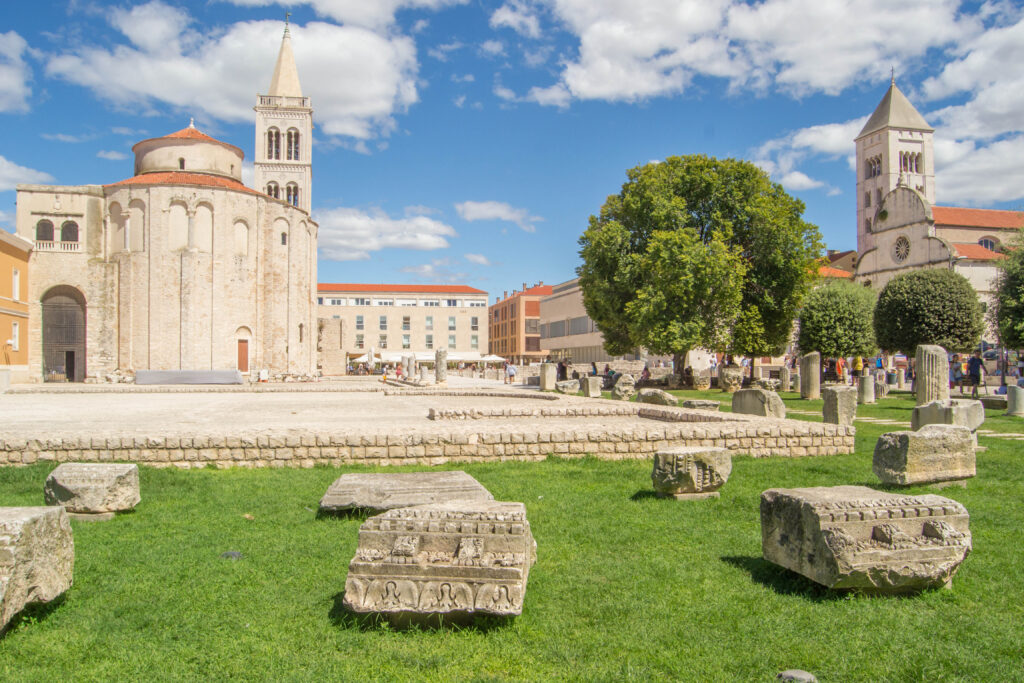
[468,141]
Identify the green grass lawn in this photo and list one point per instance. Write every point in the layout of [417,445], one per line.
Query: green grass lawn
[626,585]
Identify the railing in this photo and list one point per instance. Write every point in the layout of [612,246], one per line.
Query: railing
[41,245]
[281,101]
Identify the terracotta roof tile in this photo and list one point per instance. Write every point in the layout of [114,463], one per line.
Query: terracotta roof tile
[403,289]
[977,218]
[185,178]
[829,271]
[191,133]
[976,252]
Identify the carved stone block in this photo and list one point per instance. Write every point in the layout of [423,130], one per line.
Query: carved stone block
[730,378]
[93,488]
[387,491]
[840,404]
[932,366]
[568,386]
[657,397]
[548,376]
[701,382]
[701,404]
[691,472]
[934,453]
[758,402]
[625,387]
[455,559]
[37,556]
[957,411]
[591,387]
[853,537]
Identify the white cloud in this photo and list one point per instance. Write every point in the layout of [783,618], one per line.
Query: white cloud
[537,57]
[358,79]
[64,137]
[248,172]
[12,174]
[968,174]
[435,271]
[441,52]
[478,259]
[465,78]
[420,210]
[375,14]
[556,95]
[796,181]
[504,93]
[420,26]
[111,155]
[517,16]
[14,73]
[497,211]
[123,130]
[459,101]
[348,234]
[781,156]
[492,48]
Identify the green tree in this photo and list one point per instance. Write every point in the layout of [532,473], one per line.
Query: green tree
[837,320]
[696,251]
[1007,310]
[928,307]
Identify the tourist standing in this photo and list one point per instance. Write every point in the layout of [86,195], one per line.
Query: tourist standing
[974,370]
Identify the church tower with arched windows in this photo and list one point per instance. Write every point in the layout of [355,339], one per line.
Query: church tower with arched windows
[284,134]
[894,148]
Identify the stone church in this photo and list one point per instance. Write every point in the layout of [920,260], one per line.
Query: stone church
[181,266]
[899,227]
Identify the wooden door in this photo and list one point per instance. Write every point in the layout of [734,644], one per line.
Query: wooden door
[243,355]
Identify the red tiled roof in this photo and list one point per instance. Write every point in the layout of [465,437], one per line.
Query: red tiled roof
[405,289]
[829,271]
[977,218]
[191,133]
[976,252]
[185,178]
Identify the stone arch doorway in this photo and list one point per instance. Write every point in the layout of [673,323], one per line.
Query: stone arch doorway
[63,335]
[242,337]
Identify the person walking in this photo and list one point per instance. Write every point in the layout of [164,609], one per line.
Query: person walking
[974,370]
[858,366]
[510,373]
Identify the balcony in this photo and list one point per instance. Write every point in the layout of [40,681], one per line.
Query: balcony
[280,101]
[58,246]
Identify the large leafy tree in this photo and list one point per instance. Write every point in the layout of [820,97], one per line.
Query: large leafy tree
[837,320]
[935,306]
[1007,310]
[697,252]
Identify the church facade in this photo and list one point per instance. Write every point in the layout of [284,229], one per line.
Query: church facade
[899,226]
[180,266]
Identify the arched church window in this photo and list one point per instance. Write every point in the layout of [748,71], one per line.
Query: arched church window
[293,145]
[273,144]
[69,232]
[284,238]
[988,243]
[867,225]
[274,190]
[181,163]
[44,231]
[292,196]
[901,250]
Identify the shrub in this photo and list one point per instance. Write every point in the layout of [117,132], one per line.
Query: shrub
[928,307]
[836,320]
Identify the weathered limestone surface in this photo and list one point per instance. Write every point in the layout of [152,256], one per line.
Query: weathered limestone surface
[730,378]
[932,368]
[701,404]
[901,379]
[769,384]
[882,388]
[1015,401]
[591,387]
[840,406]
[424,374]
[455,559]
[93,488]
[785,380]
[810,375]
[934,453]
[625,387]
[957,411]
[853,537]
[404,489]
[691,472]
[569,386]
[441,366]
[758,402]
[548,376]
[37,556]
[657,397]
[701,382]
[865,389]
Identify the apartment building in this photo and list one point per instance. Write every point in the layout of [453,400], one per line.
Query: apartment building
[14,253]
[515,325]
[568,332]
[397,320]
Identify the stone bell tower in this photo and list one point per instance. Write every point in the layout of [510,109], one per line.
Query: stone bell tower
[284,134]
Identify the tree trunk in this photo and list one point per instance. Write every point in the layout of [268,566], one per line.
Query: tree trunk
[678,360]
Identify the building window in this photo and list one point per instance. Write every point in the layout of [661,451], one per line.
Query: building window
[431,302]
[360,302]
[359,341]
[430,322]
[901,250]
[44,231]
[15,336]
[337,302]
[16,284]
[406,344]
[430,341]
[451,323]
[69,232]
[292,194]
[181,163]
[867,198]
[474,342]
[451,341]
[273,144]
[293,144]
[320,300]
[274,190]
[383,322]
[533,325]
[405,322]
[878,196]
[452,303]
[284,238]
[384,302]
[359,322]
[986,242]
[867,225]
[382,341]
[474,323]
[478,304]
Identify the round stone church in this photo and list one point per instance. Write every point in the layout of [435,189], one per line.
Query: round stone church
[180,266]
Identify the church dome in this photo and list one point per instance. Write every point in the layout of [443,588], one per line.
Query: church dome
[188,150]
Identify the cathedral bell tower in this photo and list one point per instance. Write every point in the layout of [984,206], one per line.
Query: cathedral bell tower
[284,134]
[894,148]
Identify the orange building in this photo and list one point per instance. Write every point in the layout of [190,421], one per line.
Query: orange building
[13,307]
[515,325]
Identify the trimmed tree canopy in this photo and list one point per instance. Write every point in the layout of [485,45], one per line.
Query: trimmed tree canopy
[928,307]
[1008,307]
[697,252]
[836,320]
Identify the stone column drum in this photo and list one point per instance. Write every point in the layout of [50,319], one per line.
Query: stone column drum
[932,374]
[548,376]
[865,389]
[840,407]
[785,383]
[441,366]
[37,557]
[592,387]
[1015,401]
[810,375]
[424,374]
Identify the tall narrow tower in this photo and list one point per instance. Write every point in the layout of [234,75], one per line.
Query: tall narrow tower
[284,134]
[893,148]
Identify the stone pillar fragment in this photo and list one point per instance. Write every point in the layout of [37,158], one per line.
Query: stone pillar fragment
[901,379]
[1015,401]
[592,387]
[93,490]
[424,374]
[759,402]
[935,453]
[840,407]
[810,375]
[865,389]
[784,379]
[37,556]
[548,376]
[932,367]
[441,366]
[691,473]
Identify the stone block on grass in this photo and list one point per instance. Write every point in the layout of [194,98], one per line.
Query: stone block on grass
[840,404]
[856,538]
[657,397]
[865,389]
[1015,401]
[701,404]
[591,387]
[387,491]
[691,473]
[758,402]
[968,413]
[37,557]
[568,386]
[730,378]
[934,453]
[625,387]
[548,376]
[100,489]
